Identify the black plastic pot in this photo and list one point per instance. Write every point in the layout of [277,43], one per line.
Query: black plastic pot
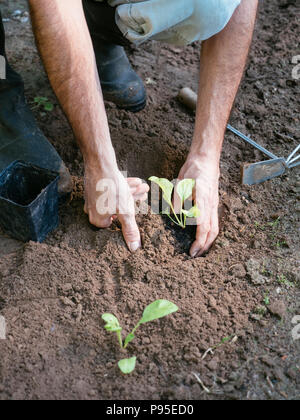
[28,201]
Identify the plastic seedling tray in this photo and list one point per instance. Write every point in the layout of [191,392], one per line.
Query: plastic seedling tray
[28,201]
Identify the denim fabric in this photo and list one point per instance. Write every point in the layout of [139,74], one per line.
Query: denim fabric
[178,22]
[2,37]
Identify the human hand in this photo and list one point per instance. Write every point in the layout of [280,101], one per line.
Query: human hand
[206,197]
[108,195]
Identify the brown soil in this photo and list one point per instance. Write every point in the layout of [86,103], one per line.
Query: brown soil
[53,294]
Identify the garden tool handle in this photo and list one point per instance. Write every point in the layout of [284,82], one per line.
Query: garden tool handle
[189,98]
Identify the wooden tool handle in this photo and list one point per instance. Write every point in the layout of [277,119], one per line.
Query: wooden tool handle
[188,97]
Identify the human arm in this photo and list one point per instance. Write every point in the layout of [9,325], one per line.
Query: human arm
[223,59]
[66,48]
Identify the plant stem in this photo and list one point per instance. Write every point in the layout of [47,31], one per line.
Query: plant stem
[120,339]
[181,218]
[132,332]
[179,222]
[174,221]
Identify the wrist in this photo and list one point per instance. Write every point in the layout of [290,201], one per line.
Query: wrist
[202,159]
[100,157]
[207,144]
[199,167]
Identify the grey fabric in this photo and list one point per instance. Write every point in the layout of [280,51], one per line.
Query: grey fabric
[178,22]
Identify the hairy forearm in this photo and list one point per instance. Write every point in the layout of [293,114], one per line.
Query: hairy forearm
[223,59]
[66,48]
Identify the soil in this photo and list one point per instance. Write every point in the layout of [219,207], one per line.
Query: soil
[239,301]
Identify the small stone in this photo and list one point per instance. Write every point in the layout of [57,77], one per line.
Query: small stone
[277,308]
[16,13]
[256,317]
[268,361]
[213,365]
[92,393]
[212,302]
[66,287]
[223,243]
[238,271]
[291,373]
[66,301]
[255,244]
[229,388]
[253,270]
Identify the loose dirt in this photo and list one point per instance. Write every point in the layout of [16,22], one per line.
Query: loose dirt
[239,300]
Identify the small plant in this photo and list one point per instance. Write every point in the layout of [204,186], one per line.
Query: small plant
[266,299]
[274,225]
[44,103]
[281,279]
[260,310]
[158,309]
[184,190]
[258,225]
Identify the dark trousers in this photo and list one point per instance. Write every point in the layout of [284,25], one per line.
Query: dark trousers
[100,18]
[2,37]
[12,78]
[101,22]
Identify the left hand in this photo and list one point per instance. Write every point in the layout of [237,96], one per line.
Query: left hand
[206,197]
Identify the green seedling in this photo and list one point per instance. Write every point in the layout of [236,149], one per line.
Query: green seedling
[274,225]
[158,309]
[44,103]
[260,310]
[267,299]
[281,279]
[112,325]
[184,190]
[127,365]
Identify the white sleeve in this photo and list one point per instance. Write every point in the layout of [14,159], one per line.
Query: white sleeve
[179,22]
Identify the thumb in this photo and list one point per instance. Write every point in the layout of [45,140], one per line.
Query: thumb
[130,232]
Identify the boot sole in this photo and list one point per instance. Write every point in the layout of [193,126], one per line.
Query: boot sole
[137,107]
[134,108]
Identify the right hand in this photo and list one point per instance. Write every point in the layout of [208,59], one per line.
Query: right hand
[108,195]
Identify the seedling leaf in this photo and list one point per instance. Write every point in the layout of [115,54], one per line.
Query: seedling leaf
[43,102]
[185,189]
[166,186]
[128,339]
[127,365]
[48,107]
[158,309]
[40,99]
[112,323]
[193,212]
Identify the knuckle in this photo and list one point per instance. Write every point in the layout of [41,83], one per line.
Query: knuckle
[100,223]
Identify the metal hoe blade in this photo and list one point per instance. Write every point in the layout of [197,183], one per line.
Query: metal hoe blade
[256,173]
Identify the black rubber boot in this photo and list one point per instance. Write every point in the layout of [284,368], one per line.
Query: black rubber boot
[20,138]
[120,84]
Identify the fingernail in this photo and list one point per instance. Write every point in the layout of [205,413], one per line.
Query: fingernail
[134,246]
[194,253]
